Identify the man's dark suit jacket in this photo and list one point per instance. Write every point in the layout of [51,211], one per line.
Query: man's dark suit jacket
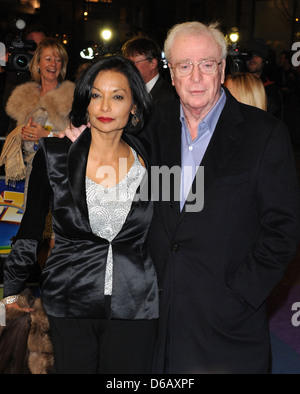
[216,267]
[73,277]
[162,91]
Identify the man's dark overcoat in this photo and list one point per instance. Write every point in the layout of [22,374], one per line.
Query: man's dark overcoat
[217,266]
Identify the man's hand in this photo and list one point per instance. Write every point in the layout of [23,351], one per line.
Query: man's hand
[72,132]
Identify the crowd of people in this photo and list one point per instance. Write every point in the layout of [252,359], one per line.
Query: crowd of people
[141,277]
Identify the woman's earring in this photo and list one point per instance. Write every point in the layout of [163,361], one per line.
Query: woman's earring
[134,120]
[39,70]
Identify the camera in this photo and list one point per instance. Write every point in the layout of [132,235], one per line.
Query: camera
[236,60]
[19,56]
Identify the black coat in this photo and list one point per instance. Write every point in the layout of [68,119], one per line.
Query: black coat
[217,266]
[162,91]
[73,277]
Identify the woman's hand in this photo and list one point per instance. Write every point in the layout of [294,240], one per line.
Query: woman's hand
[33,131]
[17,307]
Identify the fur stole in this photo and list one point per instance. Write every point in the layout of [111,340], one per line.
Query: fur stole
[26,97]
[25,346]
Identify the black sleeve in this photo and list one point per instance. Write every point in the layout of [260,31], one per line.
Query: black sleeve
[23,255]
[38,199]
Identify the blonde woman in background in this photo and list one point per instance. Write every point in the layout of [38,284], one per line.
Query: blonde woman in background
[38,109]
[47,93]
[247,88]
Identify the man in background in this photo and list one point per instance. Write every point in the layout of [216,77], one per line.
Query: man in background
[35,33]
[256,64]
[146,56]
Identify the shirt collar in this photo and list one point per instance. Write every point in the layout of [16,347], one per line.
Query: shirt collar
[152,82]
[211,119]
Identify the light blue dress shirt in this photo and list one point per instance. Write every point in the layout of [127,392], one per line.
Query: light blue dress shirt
[192,151]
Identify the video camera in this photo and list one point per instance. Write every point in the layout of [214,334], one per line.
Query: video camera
[19,56]
[236,60]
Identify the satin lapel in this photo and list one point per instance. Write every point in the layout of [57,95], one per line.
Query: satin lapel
[77,160]
[143,190]
[133,141]
[138,205]
[225,140]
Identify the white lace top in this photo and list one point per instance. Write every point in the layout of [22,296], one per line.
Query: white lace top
[108,209]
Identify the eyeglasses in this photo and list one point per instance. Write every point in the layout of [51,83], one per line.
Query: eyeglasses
[205,66]
[139,61]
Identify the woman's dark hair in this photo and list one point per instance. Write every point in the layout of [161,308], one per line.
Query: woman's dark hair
[83,91]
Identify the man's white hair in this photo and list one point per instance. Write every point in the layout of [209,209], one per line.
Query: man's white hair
[195,28]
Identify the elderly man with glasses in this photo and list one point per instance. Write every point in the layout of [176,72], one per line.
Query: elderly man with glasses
[217,264]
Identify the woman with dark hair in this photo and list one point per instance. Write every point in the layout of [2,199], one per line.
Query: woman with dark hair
[99,286]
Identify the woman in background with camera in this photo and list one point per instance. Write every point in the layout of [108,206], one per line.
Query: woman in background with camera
[40,108]
[48,91]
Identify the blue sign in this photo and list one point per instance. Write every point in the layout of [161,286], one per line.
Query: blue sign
[11,212]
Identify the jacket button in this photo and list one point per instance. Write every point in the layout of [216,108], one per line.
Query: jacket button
[174,248]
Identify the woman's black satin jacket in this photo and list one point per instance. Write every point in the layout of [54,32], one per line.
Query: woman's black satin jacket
[73,276]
